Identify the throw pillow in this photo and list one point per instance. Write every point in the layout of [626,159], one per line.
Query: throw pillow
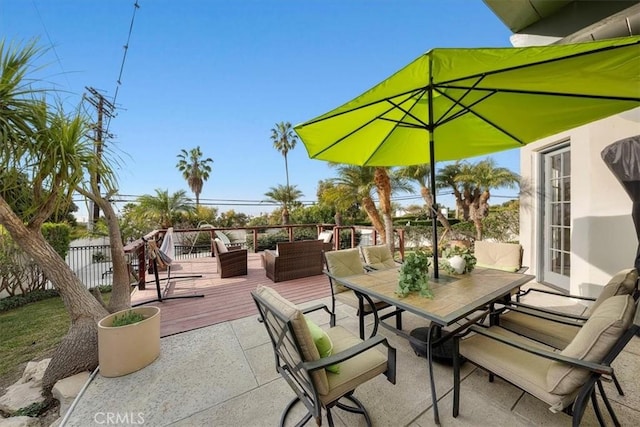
[323,343]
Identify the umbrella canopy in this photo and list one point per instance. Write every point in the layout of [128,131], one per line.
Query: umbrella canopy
[623,159]
[450,104]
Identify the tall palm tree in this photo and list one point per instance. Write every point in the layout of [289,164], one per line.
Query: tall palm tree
[420,174]
[284,140]
[194,169]
[284,195]
[163,207]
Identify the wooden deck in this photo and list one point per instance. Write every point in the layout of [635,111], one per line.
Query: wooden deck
[224,299]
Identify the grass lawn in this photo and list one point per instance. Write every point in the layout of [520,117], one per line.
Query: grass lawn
[32,332]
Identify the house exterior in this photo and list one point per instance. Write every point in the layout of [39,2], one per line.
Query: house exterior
[575,221]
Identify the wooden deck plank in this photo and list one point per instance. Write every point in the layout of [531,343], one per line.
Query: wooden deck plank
[224,299]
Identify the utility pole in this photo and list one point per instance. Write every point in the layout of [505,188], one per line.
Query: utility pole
[103,108]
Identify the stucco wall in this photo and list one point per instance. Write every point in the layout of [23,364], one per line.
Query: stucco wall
[603,238]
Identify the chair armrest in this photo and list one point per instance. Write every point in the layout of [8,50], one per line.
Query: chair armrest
[238,254]
[545,313]
[559,294]
[591,366]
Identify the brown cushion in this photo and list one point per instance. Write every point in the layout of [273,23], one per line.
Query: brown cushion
[342,263]
[557,335]
[592,342]
[301,331]
[623,283]
[378,257]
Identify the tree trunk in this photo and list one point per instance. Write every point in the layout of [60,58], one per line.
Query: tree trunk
[285,216]
[383,184]
[374,216]
[121,289]
[428,199]
[78,351]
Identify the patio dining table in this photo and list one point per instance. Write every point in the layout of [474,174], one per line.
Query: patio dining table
[455,298]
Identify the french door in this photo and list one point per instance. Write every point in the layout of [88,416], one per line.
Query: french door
[557,218]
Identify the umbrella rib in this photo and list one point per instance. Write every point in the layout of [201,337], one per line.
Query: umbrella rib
[411,94]
[538,92]
[443,118]
[469,110]
[378,117]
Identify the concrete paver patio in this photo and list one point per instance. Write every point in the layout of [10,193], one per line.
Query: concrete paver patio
[224,375]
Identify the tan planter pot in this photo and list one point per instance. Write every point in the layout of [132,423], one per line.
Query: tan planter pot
[126,349]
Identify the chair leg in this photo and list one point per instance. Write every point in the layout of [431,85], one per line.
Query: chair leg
[580,403]
[596,408]
[290,406]
[617,384]
[614,418]
[357,409]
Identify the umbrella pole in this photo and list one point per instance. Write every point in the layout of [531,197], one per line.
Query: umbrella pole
[434,217]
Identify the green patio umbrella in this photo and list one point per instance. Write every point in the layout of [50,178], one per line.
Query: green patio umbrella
[451,104]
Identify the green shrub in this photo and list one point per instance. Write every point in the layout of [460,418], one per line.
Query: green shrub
[16,301]
[59,236]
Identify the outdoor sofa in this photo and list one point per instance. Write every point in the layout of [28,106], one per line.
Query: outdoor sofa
[293,260]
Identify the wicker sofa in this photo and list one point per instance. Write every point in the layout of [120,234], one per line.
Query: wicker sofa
[292,260]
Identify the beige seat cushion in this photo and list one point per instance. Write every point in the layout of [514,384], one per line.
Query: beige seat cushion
[378,257]
[499,256]
[622,283]
[342,263]
[301,330]
[354,371]
[559,335]
[523,369]
[222,248]
[592,342]
[555,334]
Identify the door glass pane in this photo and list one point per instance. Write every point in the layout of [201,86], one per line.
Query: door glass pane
[557,224]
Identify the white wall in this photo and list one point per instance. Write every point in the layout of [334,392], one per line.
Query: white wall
[603,238]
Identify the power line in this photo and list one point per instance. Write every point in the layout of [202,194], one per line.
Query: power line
[53,47]
[136,6]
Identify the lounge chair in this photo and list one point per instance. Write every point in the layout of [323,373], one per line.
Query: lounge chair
[321,367]
[231,263]
[566,380]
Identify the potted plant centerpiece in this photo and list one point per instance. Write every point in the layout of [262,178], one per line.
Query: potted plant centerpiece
[414,275]
[458,260]
[128,340]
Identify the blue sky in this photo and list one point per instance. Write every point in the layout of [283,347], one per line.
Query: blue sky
[220,74]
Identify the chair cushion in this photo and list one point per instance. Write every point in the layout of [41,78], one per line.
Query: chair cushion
[222,248]
[323,343]
[378,257]
[301,330]
[623,283]
[326,236]
[592,342]
[557,335]
[354,371]
[499,256]
[525,370]
[342,263]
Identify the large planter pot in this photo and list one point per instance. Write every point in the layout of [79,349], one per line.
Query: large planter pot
[126,349]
